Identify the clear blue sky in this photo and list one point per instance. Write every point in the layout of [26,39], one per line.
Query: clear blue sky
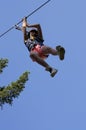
[46,103]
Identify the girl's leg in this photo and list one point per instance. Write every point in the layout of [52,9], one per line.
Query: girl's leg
[60,51]
[34,56]
[49,50]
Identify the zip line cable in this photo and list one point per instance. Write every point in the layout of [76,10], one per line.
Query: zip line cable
[25,17]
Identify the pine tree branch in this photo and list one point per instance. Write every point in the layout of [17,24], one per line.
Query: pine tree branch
[7,94]
[13,91]
[3,64]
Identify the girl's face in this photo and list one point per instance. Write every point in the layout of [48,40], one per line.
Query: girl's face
[33,34]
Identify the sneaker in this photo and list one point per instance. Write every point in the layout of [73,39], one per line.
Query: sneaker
[53,72]
[61,52]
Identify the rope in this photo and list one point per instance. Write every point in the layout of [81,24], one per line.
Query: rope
[26,17]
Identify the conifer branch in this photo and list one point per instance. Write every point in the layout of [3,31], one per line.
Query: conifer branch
[7,94]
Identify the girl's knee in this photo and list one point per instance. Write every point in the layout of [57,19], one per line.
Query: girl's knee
[33,56]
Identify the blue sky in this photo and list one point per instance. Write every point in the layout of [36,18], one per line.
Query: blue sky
[46,103]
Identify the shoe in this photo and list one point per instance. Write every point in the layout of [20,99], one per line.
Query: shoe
[53,72]
[61,52]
